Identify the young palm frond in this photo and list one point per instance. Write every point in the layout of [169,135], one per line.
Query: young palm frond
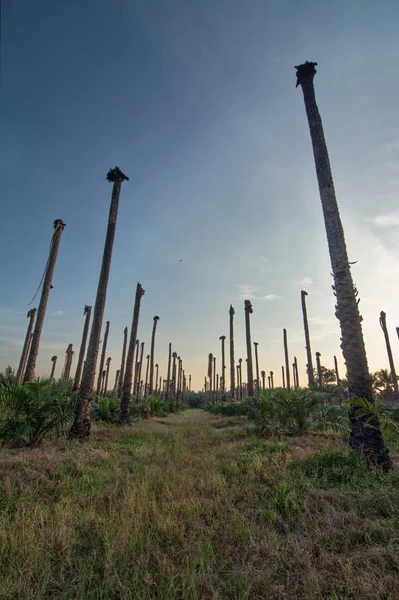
[30,411]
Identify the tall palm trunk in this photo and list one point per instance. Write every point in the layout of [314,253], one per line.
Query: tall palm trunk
[250,374]
[263,374]
[136,370]
[383,323]
[70,358]
[107,375]
[240,380]
[102,360]
[168,376]
[25,349]
[337,378]
[223,376]
[124,412]
[307,339]
[232,371]
[78,373]
[151,382]
[214,377]
[319,373]
[54,361]
[41,311]
[283,376]
[287,362]
[365,434]
[67,365]
[256,344]
[122,369]
[269,382]
[81,425]
[114,391]
[146,376]
[156,378]
[210,366]
[103,374]
[296,372]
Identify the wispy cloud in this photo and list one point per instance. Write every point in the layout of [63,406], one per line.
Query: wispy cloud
[58,313]
[250,292]
[387,220]
[304,281]
[271,297]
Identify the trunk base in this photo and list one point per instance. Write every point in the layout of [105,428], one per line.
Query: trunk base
[124,418]
[80,429]
[366,436]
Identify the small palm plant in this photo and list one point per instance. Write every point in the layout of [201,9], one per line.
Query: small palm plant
[34,410]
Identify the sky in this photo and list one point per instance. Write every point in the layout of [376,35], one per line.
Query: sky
[196,103]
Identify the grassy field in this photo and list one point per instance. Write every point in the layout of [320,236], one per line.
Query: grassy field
[194,506]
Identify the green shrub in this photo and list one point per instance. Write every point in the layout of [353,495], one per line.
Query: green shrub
[106,409]
[282,412]
[228,409]
[33,410]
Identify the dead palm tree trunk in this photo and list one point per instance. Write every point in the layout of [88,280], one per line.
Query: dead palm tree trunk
[214,377]
[263,375]
[136,370]
[174,356]
[54,361]
[124,412]
[67,364]
[168,376]
[240,380]
[337,378]
[282,372]
[365,434]
[232,372]
[114,391]
[383,323]
[25,349]
[140,381]
[71,355]
[307,339]
[107,375]
[271,379]
[223,376]
[81,425]
[102,360]
[78,372]
[151,381]
[210,365]
[122,369]
[319,373]
[156,379]
[41,311]
[256,344]
[287,362]
[103,374]
[296,372]
[250,374]
[397,332]
[146,376]
[269,382]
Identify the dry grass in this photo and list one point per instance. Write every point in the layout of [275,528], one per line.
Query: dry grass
[195,507]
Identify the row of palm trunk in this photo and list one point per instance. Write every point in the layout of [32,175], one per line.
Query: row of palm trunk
[365,432]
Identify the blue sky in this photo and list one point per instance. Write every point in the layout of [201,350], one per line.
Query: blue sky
[196,102]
